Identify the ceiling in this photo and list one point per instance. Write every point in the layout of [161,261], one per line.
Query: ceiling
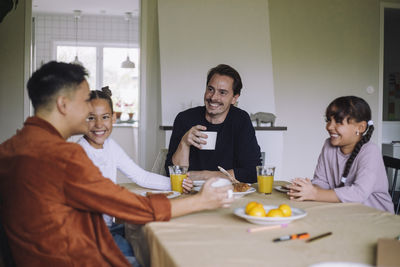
[92,7]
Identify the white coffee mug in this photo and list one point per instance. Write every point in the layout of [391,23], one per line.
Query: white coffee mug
[211,140]
[223,182]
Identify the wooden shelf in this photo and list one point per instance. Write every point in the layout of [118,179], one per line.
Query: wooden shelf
[261,128]
[269,128]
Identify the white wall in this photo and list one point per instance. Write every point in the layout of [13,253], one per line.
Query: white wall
[198,35]
[15,30]
[321,49]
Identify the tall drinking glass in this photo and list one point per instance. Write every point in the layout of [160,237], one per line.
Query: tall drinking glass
[177,175]
[265,178]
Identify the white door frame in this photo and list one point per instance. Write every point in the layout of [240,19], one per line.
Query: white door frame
[28,62]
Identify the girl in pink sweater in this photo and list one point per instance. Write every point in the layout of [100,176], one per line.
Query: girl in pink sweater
[350,168]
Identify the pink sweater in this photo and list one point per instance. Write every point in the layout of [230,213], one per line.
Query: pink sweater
[366,183]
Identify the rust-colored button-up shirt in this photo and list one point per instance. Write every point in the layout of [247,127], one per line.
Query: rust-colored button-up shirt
[52,198]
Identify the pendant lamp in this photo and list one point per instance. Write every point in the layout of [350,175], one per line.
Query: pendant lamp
[128,64]
[77,16]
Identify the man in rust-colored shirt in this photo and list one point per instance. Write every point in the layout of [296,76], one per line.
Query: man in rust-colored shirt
[51,194]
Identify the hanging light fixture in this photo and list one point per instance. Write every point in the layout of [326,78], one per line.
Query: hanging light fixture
[128,64]
[77,16]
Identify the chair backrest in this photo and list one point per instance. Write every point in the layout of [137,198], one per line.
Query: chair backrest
[262,158]
[158,166]
[393,163]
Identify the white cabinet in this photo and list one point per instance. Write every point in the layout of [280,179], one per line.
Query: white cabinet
[127,137]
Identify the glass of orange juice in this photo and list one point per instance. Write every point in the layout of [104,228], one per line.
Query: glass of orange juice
[265,178]
[177,175]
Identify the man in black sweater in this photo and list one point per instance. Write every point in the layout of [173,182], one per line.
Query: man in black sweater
[236,148]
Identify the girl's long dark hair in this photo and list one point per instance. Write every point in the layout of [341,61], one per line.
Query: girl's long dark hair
[351,107]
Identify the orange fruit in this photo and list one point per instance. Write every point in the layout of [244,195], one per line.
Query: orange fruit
[251,205]
[286,210]
[257,211]
[275,213]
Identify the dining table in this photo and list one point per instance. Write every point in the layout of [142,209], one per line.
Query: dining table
[220,238]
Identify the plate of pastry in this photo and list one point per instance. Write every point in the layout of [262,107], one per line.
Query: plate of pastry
[241,189]
[296,214]
[168,194]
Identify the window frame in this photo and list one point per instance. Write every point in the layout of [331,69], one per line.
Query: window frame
[99,46]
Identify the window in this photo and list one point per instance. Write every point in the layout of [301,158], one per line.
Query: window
[123,82]
[86,54]
[104,67]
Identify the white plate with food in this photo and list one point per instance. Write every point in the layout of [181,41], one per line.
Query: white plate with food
[241,189]
[296,214]
[168,194]
[248,191]
[281,188]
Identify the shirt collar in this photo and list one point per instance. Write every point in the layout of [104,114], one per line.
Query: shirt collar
[41,123]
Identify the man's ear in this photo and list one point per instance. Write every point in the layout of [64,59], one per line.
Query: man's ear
[234,99]
[61,104]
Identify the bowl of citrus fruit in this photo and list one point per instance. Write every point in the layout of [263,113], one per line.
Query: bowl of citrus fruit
[258,213]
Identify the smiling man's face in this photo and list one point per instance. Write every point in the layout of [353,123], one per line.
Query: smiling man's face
[218,98]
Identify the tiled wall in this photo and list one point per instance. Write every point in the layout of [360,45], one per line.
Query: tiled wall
[50,28]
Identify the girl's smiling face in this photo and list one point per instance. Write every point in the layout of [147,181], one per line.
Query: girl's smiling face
[100,123]
[344,134]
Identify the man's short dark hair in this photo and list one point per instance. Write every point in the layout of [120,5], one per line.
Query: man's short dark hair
[223,69]
[51,78]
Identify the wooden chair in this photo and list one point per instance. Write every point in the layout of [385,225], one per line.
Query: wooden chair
[262,158]
[158,166]
[393,163]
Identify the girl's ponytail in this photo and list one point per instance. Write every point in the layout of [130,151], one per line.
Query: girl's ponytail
[366,137]
[105,93]
[106,90]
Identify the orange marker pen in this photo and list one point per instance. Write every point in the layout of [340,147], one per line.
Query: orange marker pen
[290,237]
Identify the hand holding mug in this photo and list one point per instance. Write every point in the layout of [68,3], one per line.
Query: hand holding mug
[216,193]
[195,137]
